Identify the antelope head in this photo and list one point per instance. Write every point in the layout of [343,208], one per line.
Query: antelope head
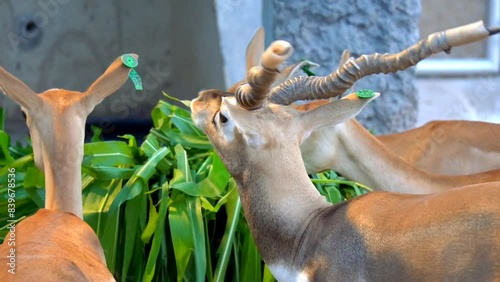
[235,119]
[56,120]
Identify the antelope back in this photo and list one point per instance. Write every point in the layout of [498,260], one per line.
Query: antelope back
[54,246]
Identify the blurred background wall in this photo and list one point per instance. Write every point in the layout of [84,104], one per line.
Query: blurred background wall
[187,46]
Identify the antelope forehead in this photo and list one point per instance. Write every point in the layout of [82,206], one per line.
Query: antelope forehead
[199,119]
[199,115]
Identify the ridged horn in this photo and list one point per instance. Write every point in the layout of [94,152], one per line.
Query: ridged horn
[311,88]
[260,79]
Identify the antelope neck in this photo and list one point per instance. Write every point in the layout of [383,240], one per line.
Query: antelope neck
[364,158]
[62,168]
[278,201]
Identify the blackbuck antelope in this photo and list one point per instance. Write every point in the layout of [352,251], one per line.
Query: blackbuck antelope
[440,147]
[380,236]
[55,244]
[348,146]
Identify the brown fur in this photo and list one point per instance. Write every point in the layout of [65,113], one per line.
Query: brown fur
[67,251]
[449,147]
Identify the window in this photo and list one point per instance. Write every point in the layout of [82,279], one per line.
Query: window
[473,59]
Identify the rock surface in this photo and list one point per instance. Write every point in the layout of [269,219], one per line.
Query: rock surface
[321,30]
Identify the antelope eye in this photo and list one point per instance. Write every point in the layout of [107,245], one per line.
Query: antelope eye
[222,118]
[219,118]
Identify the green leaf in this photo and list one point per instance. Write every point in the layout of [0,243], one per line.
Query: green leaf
[34,183]
[186,126]
[135,186]
[251,265]
[5,156]
[217,179]
[158,236]
[183,163]
[133,209]
[96,134]
[109,173]
[173,137]
[233,208]
[2,119]
[132,142]
[98,197]
[17,164]
[186,227]
[186,103]
[109,153]
[333,194]
[138,180]
[152,222]
[268,276]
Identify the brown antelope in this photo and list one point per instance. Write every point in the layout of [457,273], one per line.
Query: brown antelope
[380,236]
[440,147]
[448,147]
[451,147]
[55,244]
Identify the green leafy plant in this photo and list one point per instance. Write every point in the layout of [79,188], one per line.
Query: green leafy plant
[164,210]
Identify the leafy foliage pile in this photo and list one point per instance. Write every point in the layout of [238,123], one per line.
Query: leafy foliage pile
[165,210]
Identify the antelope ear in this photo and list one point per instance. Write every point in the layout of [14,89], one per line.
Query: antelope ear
[253,54]
[18,91]
[108,83]
[255,49]
[335,112]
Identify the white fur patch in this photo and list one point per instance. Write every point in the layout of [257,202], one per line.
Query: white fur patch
[284,274]
[227,129]
[252,138]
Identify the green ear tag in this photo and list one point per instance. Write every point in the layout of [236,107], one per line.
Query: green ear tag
[131,62]
[307,69]
[365,93]
[136,79]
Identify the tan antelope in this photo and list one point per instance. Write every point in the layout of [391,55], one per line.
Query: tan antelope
[380,236]
[55,244]
[440,147]
[447,147]
[451,147]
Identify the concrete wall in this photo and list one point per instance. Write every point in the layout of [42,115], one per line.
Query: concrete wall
[236,28]
[68,44]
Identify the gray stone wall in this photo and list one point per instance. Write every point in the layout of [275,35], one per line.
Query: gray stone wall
[68,44]
[321,30]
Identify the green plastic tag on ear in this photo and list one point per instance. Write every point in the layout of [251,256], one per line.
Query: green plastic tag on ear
[136,79]
[365,93]
[131,62]
[307,69]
